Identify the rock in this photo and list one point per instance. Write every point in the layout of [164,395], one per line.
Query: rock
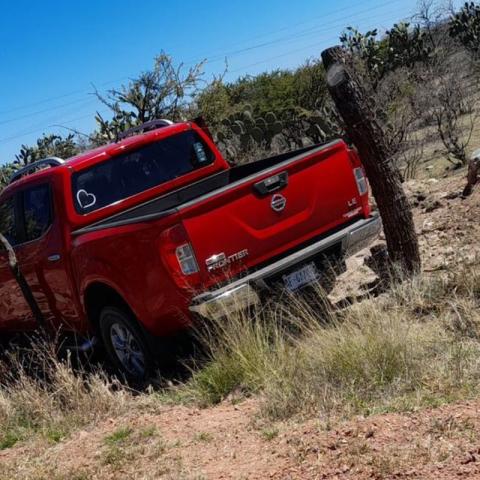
[420,196]
[452,195]
[432,205]
[469,458]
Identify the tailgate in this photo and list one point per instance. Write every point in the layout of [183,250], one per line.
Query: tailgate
[246,223]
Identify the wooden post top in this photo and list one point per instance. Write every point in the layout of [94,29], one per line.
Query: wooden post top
[331,55]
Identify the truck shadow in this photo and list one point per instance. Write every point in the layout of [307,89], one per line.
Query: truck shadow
[41,357]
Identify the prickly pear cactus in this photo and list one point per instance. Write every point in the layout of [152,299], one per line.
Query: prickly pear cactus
[245,132]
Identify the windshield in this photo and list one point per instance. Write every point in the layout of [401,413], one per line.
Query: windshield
[134,172]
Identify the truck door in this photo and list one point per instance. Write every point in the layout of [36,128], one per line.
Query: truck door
[41,256]
[15,313]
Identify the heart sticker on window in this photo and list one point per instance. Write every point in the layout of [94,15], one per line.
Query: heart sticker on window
[85,199]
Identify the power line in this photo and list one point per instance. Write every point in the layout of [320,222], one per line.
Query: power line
[73,130]
[57,107]
[38,129]
[221,56]
[305,47]
[309,31]
[261,62]
[287,28]
[302,33]
[58,97]
[298,35]
[58,117]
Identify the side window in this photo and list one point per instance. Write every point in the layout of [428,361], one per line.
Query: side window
[37,211]
[8,223]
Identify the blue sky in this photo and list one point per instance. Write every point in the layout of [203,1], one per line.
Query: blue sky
[53,51]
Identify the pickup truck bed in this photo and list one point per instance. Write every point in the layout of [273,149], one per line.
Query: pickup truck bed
[317,193]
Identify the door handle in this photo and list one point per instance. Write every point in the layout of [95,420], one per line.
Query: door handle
[272,184]
[54,258]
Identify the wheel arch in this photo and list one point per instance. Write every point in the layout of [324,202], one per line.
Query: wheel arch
[98,295]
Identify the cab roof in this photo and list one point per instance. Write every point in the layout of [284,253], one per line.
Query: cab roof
[92,157]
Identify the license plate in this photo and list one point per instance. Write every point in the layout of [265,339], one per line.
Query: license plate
[304,276]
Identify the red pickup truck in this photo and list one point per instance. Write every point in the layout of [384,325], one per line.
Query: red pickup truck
[128,243]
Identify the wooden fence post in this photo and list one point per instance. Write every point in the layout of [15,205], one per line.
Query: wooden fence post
[365,132]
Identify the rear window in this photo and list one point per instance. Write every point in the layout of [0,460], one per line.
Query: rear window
[134,172]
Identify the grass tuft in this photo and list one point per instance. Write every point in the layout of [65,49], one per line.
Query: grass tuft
[118,436]
[53,400]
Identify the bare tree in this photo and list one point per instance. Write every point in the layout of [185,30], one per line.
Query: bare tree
[446,97]
[455,112]
[410,156]
[431,16]
[446,82]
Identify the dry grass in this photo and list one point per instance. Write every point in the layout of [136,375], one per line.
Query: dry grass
[128,452]
[42,396]
[417,345]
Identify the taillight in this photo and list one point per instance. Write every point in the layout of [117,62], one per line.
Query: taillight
[186,259]
[179,257]
[361,180]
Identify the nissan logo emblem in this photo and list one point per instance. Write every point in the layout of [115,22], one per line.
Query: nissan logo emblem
[278,202]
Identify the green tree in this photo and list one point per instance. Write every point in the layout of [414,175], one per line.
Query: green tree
[284,93]
[465,27]
[48,146]
[309,86]
[402,46]
[6,171]
[214,102]
[267,92]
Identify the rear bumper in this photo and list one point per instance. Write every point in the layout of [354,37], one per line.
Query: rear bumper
[242,293]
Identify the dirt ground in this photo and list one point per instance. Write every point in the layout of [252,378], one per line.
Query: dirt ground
[448,230]
[230,441]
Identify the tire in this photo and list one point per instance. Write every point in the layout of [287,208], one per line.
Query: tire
[125,345]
